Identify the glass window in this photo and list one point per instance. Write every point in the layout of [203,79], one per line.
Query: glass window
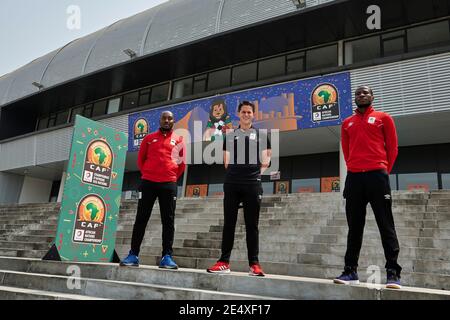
[144,97]
[42,123]
[394,34]
[267,187]
[87,111]
[445,180]
[418,181]
[130,100]
[61,117]
[305,185]
[51,120]
[75,111]
[244,73]
[393,46]
[295,62]
[182,88]
[362,50]
[215,189]
[113,105]
[393,43]
[179,192]
[271,67]
[427,36]
[321,58]
[160,93]
[99,108]
[199,84]
[219,79]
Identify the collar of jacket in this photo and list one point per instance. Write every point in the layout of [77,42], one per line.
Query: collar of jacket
[368,111]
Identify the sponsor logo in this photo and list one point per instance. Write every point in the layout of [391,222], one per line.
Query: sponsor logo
[325,103]
[98,164]
[89,225]
[140,130]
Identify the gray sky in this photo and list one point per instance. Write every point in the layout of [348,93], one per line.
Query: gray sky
[32,28]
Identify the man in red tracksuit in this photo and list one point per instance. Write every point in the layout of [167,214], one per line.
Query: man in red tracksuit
[369,143]
[161,163]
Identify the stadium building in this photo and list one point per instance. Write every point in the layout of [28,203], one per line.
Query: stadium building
[299,61]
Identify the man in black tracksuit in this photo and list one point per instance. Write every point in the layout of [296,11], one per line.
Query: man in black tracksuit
[370,147]
[246,152]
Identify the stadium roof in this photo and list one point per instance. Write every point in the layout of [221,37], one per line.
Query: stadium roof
[165,26]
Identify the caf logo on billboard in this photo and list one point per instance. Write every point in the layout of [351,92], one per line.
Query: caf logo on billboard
[325,103]
[98,164]
[140,131]
[89,225]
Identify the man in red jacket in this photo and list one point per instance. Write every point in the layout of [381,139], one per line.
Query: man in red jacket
[161,163]
[369,143]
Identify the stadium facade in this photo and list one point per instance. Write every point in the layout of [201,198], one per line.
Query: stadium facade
[185,54]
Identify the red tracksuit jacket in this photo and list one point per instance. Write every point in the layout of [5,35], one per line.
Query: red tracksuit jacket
[157,159]
[369,141]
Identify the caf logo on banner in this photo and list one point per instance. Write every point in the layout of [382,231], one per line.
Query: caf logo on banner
[98,163]
[140,131]
[89,224]
[324,102]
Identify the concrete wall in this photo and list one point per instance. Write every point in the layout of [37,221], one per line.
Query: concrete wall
[10,187]
[35,190]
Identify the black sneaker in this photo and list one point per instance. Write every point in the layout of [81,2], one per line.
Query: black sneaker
[349,276]
[393,279]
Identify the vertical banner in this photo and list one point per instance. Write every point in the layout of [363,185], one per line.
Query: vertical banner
[92,193]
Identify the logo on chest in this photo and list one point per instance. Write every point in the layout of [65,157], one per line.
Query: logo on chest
[371,120]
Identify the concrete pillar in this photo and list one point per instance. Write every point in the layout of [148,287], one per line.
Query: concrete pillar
[348,53]
[63,182]
[185,175]
[342,168]
[35,190]
[61,187]
[341,51]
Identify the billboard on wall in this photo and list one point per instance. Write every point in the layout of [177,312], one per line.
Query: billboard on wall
[295,105]
[92,194]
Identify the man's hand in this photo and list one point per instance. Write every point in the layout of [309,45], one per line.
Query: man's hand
[265,159]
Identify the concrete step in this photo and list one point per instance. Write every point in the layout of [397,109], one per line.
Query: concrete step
[374,239]
[29,226]
[31,232]
[113,289]
[437,233]
[14,252]
[405,252]
[408,223]
[410,265]
[12,293]
[156,228]
[21,216]
[28,238]
[235,284]
[275,229]
[418,279]
[298,254]
[152,236]
[25,245]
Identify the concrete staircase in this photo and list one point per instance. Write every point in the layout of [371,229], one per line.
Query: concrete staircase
[28,278]
[301,235]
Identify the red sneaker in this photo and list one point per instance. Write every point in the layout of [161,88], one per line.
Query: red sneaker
[219,267]
[255,270]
